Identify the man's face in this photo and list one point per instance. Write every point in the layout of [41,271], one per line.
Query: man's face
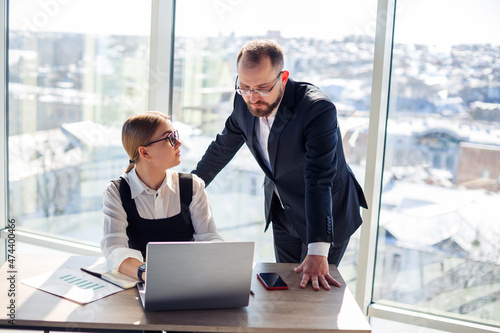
[263,76]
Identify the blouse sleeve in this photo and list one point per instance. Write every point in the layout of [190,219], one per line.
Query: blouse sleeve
[114,244]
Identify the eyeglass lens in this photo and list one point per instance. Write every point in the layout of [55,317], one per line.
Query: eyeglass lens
[173,137]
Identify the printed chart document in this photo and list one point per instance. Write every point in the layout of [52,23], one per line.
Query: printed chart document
[73,284]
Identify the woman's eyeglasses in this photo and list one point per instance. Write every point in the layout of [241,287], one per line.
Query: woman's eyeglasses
[173,138]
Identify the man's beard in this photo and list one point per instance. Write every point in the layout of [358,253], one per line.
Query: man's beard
[266,108]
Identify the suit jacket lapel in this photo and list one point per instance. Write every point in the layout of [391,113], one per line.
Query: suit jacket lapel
[283,116]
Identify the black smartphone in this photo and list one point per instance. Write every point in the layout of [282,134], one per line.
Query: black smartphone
[272,281]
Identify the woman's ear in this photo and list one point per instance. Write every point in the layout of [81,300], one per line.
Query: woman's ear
[143,152]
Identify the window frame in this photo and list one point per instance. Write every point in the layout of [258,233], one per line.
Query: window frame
[161,56]
[379,104]
[160,77]
[379,110]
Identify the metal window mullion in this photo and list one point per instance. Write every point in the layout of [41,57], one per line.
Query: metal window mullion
[161,57]
[375,151]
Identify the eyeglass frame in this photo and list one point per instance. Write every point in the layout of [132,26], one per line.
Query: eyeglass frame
[261,92]
[170,137]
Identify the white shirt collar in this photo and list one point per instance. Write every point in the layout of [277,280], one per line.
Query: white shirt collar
[271,117]
[137,186]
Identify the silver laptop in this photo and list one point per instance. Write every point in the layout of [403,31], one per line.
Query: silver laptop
[197,275]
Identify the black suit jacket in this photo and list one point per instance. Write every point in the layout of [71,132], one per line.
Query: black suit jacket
[316,186]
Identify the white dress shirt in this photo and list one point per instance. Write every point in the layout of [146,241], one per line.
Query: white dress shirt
[263,127]
[151,204]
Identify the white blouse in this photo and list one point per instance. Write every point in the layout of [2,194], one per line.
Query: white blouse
[151,204]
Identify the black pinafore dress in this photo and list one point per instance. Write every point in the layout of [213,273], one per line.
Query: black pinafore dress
[141,231]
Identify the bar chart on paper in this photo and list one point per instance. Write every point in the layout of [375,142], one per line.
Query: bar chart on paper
[73,284]
[81,282]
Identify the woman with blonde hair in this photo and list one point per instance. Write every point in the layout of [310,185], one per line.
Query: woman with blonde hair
[150,202]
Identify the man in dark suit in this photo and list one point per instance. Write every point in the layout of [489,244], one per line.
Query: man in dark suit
[311,194]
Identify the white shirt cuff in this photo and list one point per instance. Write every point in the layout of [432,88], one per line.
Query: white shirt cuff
[319,249]
[118,255]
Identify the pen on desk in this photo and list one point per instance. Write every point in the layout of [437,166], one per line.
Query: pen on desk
[252,293]
[91,273]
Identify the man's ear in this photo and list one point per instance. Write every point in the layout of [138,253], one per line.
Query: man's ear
[284,77]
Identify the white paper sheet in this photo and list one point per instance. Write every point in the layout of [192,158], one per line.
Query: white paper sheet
[73,284]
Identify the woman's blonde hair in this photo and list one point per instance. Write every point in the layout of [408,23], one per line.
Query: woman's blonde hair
[137,131]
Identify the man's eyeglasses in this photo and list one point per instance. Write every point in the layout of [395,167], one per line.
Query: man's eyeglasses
[261,92]
[173,138]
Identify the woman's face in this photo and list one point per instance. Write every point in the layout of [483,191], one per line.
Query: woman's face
[162,153]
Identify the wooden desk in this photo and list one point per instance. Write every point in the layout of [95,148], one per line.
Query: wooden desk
[292,310]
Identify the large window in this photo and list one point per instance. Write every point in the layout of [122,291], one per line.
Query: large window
[430,242]
[75,73]
[439,232]
[329,45]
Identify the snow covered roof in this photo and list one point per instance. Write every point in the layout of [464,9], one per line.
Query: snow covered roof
[422,215]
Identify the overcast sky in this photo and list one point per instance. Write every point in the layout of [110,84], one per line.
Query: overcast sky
[418,21]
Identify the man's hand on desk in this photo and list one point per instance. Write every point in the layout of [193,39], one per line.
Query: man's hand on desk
[314,268]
